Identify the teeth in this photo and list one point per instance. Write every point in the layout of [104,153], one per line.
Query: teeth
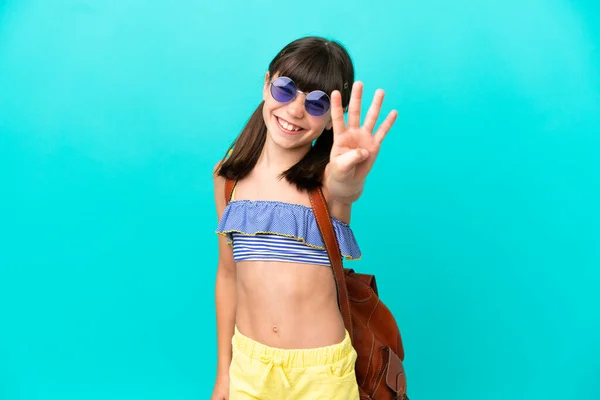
[289,127]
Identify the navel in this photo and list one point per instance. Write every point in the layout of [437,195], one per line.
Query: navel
[275,329]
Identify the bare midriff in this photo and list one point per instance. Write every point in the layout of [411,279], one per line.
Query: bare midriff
[288,305]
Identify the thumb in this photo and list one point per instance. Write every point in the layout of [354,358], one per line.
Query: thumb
[345,162]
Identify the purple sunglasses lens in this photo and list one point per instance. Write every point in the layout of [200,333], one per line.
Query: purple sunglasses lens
[317,103]
[283,90]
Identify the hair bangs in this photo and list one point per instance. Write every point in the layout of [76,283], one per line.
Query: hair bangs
[315,66]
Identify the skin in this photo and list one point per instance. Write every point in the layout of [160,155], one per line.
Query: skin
[287,305]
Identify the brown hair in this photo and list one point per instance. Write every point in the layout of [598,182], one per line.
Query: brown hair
[313,63]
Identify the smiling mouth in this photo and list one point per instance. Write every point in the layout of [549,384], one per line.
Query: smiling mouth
[288,127]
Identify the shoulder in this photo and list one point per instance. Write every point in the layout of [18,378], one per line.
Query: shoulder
[218,179]
[219,186]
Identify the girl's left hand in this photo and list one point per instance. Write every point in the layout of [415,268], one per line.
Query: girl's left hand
[355,147]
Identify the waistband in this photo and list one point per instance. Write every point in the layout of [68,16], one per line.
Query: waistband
[293,358]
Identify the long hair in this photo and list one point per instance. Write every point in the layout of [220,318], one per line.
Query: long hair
[314,63]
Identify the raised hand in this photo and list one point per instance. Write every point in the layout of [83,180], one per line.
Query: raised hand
[355,147]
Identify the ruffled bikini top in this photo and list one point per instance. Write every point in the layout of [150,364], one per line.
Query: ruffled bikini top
[277,231]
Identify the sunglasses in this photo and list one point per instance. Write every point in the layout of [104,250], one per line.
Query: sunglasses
[284,90]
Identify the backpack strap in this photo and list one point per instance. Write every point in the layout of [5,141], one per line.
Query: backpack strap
[319,206]
[229,186]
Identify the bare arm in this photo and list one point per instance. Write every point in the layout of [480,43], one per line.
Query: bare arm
[225,290]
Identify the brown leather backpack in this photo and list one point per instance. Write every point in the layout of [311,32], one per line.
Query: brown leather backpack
[372,327]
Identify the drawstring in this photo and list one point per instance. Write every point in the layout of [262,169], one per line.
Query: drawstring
[275,362]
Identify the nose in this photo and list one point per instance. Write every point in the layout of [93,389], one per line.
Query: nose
[295,108]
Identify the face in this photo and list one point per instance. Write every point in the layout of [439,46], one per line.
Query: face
[289,125]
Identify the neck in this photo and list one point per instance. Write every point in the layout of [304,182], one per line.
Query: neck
[276,158]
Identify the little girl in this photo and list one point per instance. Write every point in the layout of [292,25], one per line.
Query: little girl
[280,332]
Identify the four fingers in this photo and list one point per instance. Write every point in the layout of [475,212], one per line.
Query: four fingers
[337,113]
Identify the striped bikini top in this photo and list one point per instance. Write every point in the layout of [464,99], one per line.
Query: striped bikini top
[276,231]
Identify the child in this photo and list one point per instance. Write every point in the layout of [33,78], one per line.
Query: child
[280,332]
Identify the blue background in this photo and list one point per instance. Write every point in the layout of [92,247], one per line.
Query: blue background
[481,218]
